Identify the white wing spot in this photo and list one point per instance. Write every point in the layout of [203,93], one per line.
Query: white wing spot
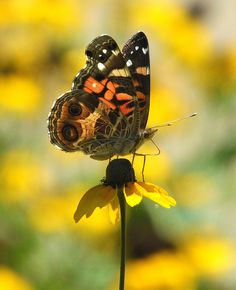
[115,52]
[129,62]
[58,147]
[136,47]
[131,52]
[145,50]
[101,66]
[104,51]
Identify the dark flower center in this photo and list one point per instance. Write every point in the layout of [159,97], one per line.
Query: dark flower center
[119,172]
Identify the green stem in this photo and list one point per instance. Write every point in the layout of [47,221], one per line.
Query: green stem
[122,237]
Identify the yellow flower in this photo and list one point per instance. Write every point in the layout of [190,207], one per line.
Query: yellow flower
[212,256]
[164,270]
[19,95]
[10,280]
[121,176]
[189,40]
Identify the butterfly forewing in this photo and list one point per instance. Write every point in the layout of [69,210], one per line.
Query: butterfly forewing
[136,54]
[107,77]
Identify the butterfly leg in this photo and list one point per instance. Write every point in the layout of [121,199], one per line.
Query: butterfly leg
[158,149]
[133,159]
[144,162]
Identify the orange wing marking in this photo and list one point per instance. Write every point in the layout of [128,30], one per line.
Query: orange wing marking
[87,90]
[111,87]
[123,97]
[140,95]
[94,85]
[108,95]
[125,109]
[116,85]
[142,70]
[136,83]
[109,104]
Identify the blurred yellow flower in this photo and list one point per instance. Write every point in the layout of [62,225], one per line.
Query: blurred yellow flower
[160,271]
[39,11]
[19,94]
[103,195]
[222,72]
[231,61]
[23,176]
[188,39]
[51,220]
[73,60]
[10,280]
[211,257]
[28,55]
[59,219]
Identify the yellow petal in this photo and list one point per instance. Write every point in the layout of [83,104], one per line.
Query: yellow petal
[157,194]
[97,196]
[133,193]
[114,211]
[150,187]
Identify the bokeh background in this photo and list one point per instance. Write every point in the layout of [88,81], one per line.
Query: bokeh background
[193,66]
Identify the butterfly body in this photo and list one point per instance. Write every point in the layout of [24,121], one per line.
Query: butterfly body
[106,111]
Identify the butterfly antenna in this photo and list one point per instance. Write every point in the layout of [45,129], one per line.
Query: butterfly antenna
[174,121]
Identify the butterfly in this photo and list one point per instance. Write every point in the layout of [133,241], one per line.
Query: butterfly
[106,111]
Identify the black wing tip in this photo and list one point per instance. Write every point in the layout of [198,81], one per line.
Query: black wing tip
[99,41]
[140,35]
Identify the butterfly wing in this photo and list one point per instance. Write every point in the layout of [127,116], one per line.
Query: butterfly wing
[107,77]
[136,54]
[100,116]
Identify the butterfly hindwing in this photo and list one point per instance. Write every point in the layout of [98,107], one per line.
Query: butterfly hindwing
[75,123]
[136,54]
